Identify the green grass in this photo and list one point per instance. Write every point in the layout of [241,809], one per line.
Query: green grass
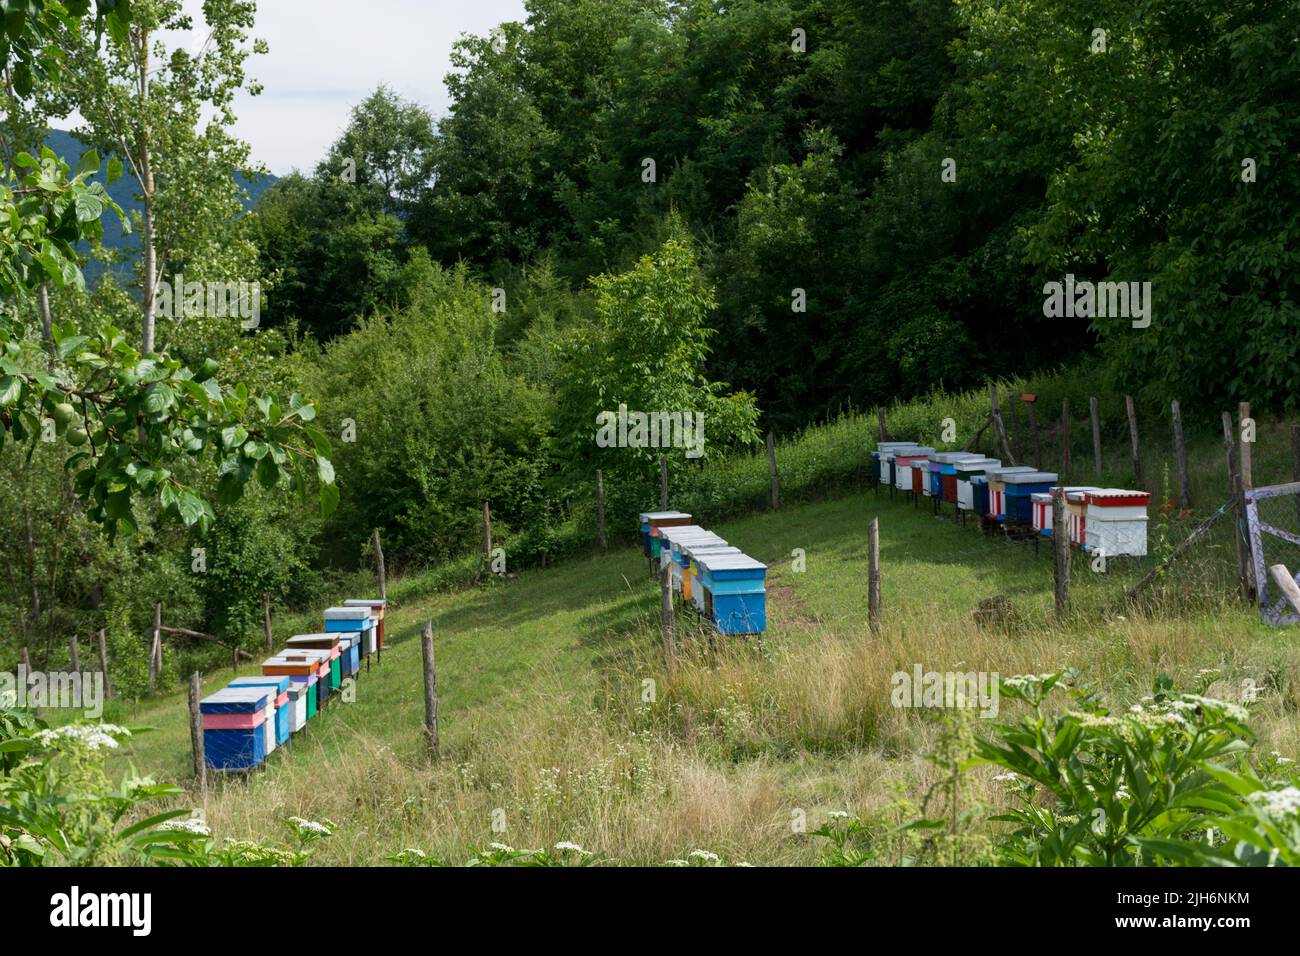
[540,679]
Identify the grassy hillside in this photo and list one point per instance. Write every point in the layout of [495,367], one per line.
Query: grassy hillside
[541,685]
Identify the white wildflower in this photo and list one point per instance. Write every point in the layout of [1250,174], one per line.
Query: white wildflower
[1277,803]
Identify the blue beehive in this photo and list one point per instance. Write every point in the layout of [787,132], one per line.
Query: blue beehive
[241,748]
[280,687]
[1020,487]
[735,595]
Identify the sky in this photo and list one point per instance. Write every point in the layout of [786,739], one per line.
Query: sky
[327,55]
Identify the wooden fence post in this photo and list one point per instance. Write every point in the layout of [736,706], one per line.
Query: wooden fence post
[1065,439]
[663,482]
[74,653]
[881,433]
[873,575]
[1245,482]
[266,618]
[103,663]
[999,430]
[667,624]
[1247,469]
[774,496]
[1133,440]
[1033,430]
[1016,446]
[196,733]
[153,647]
[487,537]
[1061,546]
[1238,503]
[430,690]
[1180,451]
[600,510]
[1096,435]
[1295,463]
[379,566]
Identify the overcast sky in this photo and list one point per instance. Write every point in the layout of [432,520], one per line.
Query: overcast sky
[327,55]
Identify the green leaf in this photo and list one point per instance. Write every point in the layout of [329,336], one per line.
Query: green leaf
[324,470]
[329,499]
[114,172]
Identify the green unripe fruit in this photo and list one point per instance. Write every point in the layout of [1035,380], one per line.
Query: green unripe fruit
[76,437]
[62,413]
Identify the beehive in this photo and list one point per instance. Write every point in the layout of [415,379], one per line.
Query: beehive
[355,620]
[966,473]
[949,462]
[1042,504]
[681,551]
[234,731]
[881,456]
[1076,501]
[664,540]
[695,575]
[1017,489]
[904,461]
[320,663]
[1117,522]
[378,607]
[651,521]
[997,488]
[735,593]
[279,687]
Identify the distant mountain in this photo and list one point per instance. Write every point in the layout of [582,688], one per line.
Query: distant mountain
[124,193]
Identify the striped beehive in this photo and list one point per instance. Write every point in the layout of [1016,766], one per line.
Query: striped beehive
[1076,506]
[234,731]
[1042,505]
[279,686]
[1117,522]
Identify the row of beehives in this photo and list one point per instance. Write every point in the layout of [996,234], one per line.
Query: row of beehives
[1110,521]
[719,581]
[252,716]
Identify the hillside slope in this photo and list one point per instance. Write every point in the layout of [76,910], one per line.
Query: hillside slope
[541,676]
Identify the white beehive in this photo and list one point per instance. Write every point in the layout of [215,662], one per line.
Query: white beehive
[1117,522]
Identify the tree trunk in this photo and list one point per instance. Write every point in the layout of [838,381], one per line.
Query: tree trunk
[148,252]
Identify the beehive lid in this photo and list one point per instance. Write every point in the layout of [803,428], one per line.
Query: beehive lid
[1041,497]
[1030,477]
[675,532]
[309,639]
[915,452]
[280,682]
[701,541]
[730,562]
[1118,497]
[238,695]
[978,464]
[353,613]
[955,457]
[996,474]
[648,517]
[883,446]
[696,550]
[294,655]
[365,602]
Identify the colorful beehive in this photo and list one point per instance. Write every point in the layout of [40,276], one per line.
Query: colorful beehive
[347,643]
[694,576]
[997,488]
[302,673]
[1076,500]
[881,456]
[320,661]
[945,483]
[966,473]
[735,593]
[905,461]
[1117,522]
[375,639]
[928,473]
[279,686]
[890,460]
[357,622]
[681,546]
[653,520]
[234,732]
[1042,505]
[665,537]
[1018,487]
